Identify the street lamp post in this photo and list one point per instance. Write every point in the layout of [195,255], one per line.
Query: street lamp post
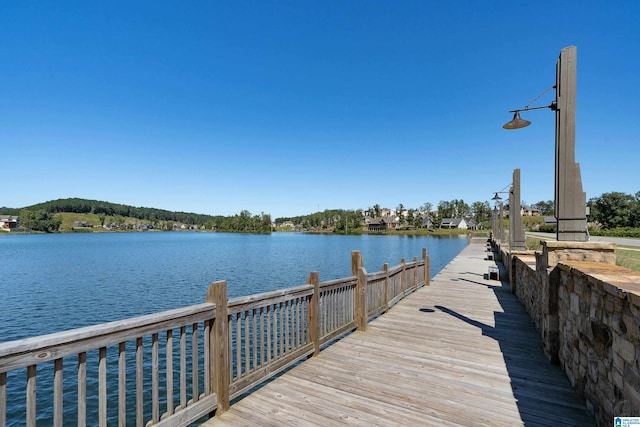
[570,199]
[516,230]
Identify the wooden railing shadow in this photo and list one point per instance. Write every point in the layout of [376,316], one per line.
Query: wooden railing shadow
[176,367]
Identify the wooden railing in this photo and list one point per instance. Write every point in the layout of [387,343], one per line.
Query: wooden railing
[188,363]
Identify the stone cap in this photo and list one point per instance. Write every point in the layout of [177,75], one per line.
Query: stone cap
[594,246]
[554,252]
[613,279]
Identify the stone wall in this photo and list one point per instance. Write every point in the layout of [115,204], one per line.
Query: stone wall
[527,286]
[599,336]
[587,311]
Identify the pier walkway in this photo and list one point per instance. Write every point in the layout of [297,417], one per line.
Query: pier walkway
[461,352]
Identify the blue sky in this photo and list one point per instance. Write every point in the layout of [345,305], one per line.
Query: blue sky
[288,107]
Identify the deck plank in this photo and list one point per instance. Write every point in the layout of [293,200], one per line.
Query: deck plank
[461,352]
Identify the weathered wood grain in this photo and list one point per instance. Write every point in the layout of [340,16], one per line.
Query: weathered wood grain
[460,352]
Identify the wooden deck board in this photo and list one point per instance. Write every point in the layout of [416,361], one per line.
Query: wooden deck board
[461,352]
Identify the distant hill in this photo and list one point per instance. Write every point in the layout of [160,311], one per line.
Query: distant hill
[98,207]
[101,212]
[8,211]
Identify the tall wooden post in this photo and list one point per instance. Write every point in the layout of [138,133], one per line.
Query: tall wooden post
[219,345]
[570,200]
[314,312]
[517,241]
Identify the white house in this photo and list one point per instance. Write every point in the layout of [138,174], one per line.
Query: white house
[459,223]
[8,222]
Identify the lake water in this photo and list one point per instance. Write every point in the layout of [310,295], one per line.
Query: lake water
[54,282]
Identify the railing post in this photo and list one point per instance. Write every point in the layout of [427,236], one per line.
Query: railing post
[361,300]
[356,262]
[219,345]
[314,312]
[403,277]
[427,267]
[385,268]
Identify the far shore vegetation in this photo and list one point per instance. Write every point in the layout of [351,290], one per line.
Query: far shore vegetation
[611,214]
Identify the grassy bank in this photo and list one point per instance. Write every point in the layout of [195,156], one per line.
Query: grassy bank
[628,257]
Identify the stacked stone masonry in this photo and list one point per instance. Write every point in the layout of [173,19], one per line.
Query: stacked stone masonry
[587,311]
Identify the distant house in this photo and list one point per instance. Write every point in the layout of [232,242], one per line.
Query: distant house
[529,211]
[427,222]
[451,223]
[82,224]
[377,224]
[8,222]
[472,224]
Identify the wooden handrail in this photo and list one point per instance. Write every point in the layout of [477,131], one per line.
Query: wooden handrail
[236,344]
[28,351]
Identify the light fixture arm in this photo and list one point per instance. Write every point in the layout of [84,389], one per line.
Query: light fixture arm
[553,106]
[519,123]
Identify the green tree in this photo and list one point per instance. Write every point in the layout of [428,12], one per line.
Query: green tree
[400,214]
[481,211]
[545,208]
[40,220]
[613,210]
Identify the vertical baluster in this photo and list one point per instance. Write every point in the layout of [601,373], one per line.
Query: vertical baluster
[195,386]
[293,321]
[82,389]
[169,372]
[139,383]
[269,320]
[3,399]
[231,347]
[246,337]
[122,384]
[262,341]
[254,313]
[334,311]
[284,328]
[155,404]
[31,395]
[289,314]
[323,305]
[102,387]
[238,345]
[58,393]
[183,367]
[299,324]
[207,357]
[301,321]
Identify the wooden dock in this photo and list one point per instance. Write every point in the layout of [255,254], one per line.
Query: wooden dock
[461,352]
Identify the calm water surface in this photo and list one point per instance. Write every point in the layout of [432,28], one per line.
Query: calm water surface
[56,282]
[51,283]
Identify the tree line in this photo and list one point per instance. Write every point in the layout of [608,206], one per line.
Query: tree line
[610,211]
[616,213]
[42,216]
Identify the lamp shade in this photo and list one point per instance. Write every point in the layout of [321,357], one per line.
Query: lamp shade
[516,122]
